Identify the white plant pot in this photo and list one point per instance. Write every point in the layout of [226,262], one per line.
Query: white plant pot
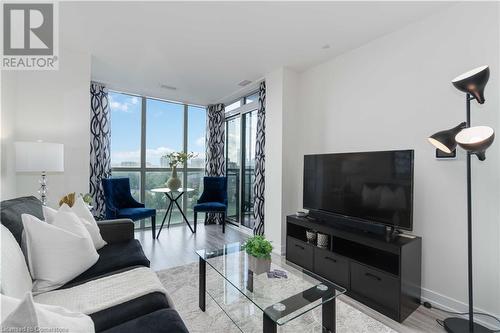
[259,265]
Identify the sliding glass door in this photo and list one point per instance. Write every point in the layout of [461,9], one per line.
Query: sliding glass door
[241,125]
[249,126]
[233,165]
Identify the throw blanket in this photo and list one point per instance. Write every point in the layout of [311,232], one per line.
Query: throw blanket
[103,293]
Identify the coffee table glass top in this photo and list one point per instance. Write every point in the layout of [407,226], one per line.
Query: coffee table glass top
[282,299]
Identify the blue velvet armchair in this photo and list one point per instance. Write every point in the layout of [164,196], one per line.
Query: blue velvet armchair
[120,204]
[213,199]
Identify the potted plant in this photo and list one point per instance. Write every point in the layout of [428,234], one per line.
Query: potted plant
[174,159]
[259,254]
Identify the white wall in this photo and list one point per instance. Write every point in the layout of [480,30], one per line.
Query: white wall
[281,153]
[7,120]
[391,94]
[273,194]
[52,106]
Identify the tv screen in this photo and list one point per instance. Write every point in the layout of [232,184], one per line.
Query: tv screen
[372,186]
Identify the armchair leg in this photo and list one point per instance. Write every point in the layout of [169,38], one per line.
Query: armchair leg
[195,220]
[153,226]
[224,222]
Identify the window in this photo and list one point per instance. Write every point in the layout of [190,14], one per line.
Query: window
[143,131]
[164,131]
[232,106]
[252,98]
[126,130]
[197,122]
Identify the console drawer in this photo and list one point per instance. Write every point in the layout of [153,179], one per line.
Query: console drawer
[331,266]
[381,288]
[299,253]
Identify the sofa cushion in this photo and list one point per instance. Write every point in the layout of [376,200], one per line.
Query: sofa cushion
[161,321]
[130,310]
[209,207]
[57,252]
[15,279]
[136,213]
[113,257]
[11,210]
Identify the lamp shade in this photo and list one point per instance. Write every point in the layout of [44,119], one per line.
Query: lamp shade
[476,139]
[39,157]
[473,82]
[445,140]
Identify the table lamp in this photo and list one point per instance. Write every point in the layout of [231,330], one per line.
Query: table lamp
[40,157]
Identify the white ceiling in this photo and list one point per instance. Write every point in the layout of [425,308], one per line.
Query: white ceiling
[205,49]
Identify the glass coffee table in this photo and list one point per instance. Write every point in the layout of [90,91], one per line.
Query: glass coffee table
[284,294]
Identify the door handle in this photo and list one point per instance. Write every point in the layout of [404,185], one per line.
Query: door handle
[372,276]
[331,259]
[299,246]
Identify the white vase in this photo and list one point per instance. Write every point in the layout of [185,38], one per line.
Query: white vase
[174,183]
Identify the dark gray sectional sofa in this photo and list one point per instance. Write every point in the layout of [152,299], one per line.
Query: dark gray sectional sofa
[153,312]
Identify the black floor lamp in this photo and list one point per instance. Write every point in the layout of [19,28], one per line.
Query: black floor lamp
[475,140]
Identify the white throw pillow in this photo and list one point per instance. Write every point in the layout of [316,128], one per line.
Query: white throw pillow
[81,210]
[57,252]
[27,316]
[49,214]
[15,279]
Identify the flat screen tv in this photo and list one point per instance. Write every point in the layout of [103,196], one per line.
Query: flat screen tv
[374,187]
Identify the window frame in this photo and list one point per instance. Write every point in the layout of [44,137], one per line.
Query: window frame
[142,168]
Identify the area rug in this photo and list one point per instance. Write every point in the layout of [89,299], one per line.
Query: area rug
[229,311]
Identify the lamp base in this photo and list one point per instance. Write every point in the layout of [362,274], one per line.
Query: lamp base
[43,189]
[460,325]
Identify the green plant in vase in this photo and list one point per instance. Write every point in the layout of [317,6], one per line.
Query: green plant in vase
[259,251]
[174,160]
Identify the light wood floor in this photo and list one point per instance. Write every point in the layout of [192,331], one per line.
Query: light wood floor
[176,246]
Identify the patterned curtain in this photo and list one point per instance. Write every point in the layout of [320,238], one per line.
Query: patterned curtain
[260,161]
[214,157]
[100,135]
[214,163]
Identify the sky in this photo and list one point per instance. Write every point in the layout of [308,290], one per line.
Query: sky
[164,129]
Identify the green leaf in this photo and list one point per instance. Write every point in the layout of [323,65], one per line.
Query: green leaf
[258,247]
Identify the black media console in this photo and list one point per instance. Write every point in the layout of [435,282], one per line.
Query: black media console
[383,273]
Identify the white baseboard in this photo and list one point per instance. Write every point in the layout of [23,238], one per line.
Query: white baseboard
[280,250]
[451,304]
